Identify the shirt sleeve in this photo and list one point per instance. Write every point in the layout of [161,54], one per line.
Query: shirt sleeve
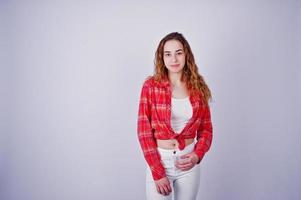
[145,134]
[204,134]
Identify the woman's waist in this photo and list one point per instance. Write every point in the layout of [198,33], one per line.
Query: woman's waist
[172,143]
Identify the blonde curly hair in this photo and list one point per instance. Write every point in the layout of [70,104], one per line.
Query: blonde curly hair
[194,81]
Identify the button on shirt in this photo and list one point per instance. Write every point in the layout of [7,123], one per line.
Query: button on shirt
[154,122]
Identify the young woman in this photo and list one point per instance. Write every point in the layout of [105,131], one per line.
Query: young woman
[174,122]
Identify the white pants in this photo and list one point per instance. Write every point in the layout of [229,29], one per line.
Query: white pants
[184,184]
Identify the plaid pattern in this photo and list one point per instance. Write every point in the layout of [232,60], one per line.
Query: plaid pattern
[154,123]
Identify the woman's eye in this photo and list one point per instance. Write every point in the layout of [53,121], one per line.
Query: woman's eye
[167,54]
[180,53]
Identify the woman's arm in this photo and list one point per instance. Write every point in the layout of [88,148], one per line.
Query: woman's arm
[145,134]
[204,134]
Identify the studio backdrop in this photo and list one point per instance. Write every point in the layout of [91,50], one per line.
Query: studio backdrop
[71,75]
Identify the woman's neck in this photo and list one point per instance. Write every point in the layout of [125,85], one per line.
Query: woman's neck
[175,79]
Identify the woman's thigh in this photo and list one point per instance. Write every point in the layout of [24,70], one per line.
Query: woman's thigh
[186,186]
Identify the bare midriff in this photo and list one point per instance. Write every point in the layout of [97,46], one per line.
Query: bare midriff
[172,144]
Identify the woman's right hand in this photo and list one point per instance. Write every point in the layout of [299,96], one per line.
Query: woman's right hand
[163,186]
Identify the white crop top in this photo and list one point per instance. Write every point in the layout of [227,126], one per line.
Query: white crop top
[181,112]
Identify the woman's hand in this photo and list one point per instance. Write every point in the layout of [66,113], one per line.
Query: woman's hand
[187,161]
[163,186]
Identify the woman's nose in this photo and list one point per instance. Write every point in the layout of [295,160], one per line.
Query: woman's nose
[174,58]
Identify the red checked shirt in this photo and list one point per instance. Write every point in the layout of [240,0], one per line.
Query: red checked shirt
[154,117]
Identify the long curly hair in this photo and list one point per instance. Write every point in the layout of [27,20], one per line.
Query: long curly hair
[195,83]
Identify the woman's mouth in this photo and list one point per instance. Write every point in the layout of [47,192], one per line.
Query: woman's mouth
[177,65]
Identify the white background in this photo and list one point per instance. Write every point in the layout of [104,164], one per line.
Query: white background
[71,74]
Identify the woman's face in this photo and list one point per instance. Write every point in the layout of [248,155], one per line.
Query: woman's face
[174,56]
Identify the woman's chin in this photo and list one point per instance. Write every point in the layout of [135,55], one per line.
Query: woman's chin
[176,71]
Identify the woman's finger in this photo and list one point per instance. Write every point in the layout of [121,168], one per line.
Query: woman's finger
[169,188]
[186,163]
[158,189]
[161,189]
[166,189]
[184,167]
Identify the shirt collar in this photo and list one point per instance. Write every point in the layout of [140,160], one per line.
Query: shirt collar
[165,82]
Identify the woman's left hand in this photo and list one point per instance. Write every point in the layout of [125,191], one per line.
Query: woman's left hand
[187,161]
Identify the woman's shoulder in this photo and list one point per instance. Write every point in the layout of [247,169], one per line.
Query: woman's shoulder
[149,81]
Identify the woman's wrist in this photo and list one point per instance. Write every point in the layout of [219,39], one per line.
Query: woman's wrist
[195,158]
